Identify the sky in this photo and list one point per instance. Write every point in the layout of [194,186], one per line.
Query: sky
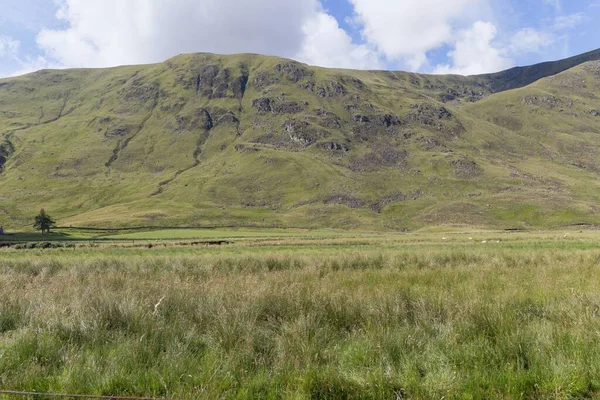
[428,36]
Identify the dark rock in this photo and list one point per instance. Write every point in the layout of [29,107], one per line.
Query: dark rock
[289,107]
[119,131]
[328,119]
[262,105]
[301,132]
[204,119]
[348,201]
[265,105]
[362,118]
[389,120]
[205,80]
[6,150]
[238,86]
[221,116]
[435,117]
[594,113]
[293,71]
[332,146]
[466,169]
[264,79]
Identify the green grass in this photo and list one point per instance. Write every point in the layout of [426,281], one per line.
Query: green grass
[358,317]
[171,171]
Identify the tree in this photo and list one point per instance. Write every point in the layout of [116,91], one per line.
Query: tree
[44,222]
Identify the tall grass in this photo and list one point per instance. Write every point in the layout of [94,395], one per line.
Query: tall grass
[441,322]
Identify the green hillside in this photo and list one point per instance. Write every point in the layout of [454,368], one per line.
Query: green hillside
[249,140]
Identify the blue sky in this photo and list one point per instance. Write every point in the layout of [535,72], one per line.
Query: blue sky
[430,36]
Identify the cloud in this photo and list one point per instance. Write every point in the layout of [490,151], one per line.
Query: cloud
[475,53]
[565,22]
[116,32]
[406,30]
[531,40]
[9,47]
[112,32]
[327,45]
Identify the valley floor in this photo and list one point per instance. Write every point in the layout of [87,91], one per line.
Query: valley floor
[304,315]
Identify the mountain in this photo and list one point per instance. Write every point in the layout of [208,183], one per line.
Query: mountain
[203,139]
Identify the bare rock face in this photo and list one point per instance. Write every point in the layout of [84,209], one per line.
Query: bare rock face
[6,150]
[435,117]
[332,146]
[221,116]
[262,105]
[293,71]
[368,127]
[547,102]
[325,89]
[139,90]
[328,119]
[301,132]
[117,131]
[470,95]
[265,105]
[466,169]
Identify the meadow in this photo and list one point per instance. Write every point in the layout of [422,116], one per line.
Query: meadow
[306,315]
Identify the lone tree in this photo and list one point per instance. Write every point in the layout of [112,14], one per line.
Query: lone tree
[44,222]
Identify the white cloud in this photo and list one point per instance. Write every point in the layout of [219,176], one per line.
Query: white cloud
[115,32]
[112,32]
[475,53]
[565,22]
[406,30]
[9,47]
[328,45]
[530,40]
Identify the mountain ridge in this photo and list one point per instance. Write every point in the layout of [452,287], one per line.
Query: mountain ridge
[257,140]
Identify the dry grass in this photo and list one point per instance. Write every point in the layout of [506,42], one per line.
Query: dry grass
[381,321]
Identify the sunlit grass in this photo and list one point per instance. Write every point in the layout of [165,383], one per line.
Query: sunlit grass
[392,317]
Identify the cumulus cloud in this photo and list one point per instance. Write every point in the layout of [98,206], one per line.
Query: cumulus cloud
[475,53]
[111,32]
[406,30]
[115,32]
[326,44]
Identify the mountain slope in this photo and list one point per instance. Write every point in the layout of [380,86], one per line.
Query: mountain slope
[246,139]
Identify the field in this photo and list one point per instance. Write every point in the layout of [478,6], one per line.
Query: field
[305,315]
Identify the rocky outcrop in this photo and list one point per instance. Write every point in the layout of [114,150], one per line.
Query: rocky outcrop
[335,147]
[325,89]
[466,169]
[328,119]
[265,105]
[547,102]
[439,118]
[293,71]
[6,150]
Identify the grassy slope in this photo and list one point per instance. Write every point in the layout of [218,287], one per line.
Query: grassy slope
[131,146]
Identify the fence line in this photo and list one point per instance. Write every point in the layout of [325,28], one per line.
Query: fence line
[75,396]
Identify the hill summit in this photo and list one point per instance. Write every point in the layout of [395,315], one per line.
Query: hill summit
[242,140]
